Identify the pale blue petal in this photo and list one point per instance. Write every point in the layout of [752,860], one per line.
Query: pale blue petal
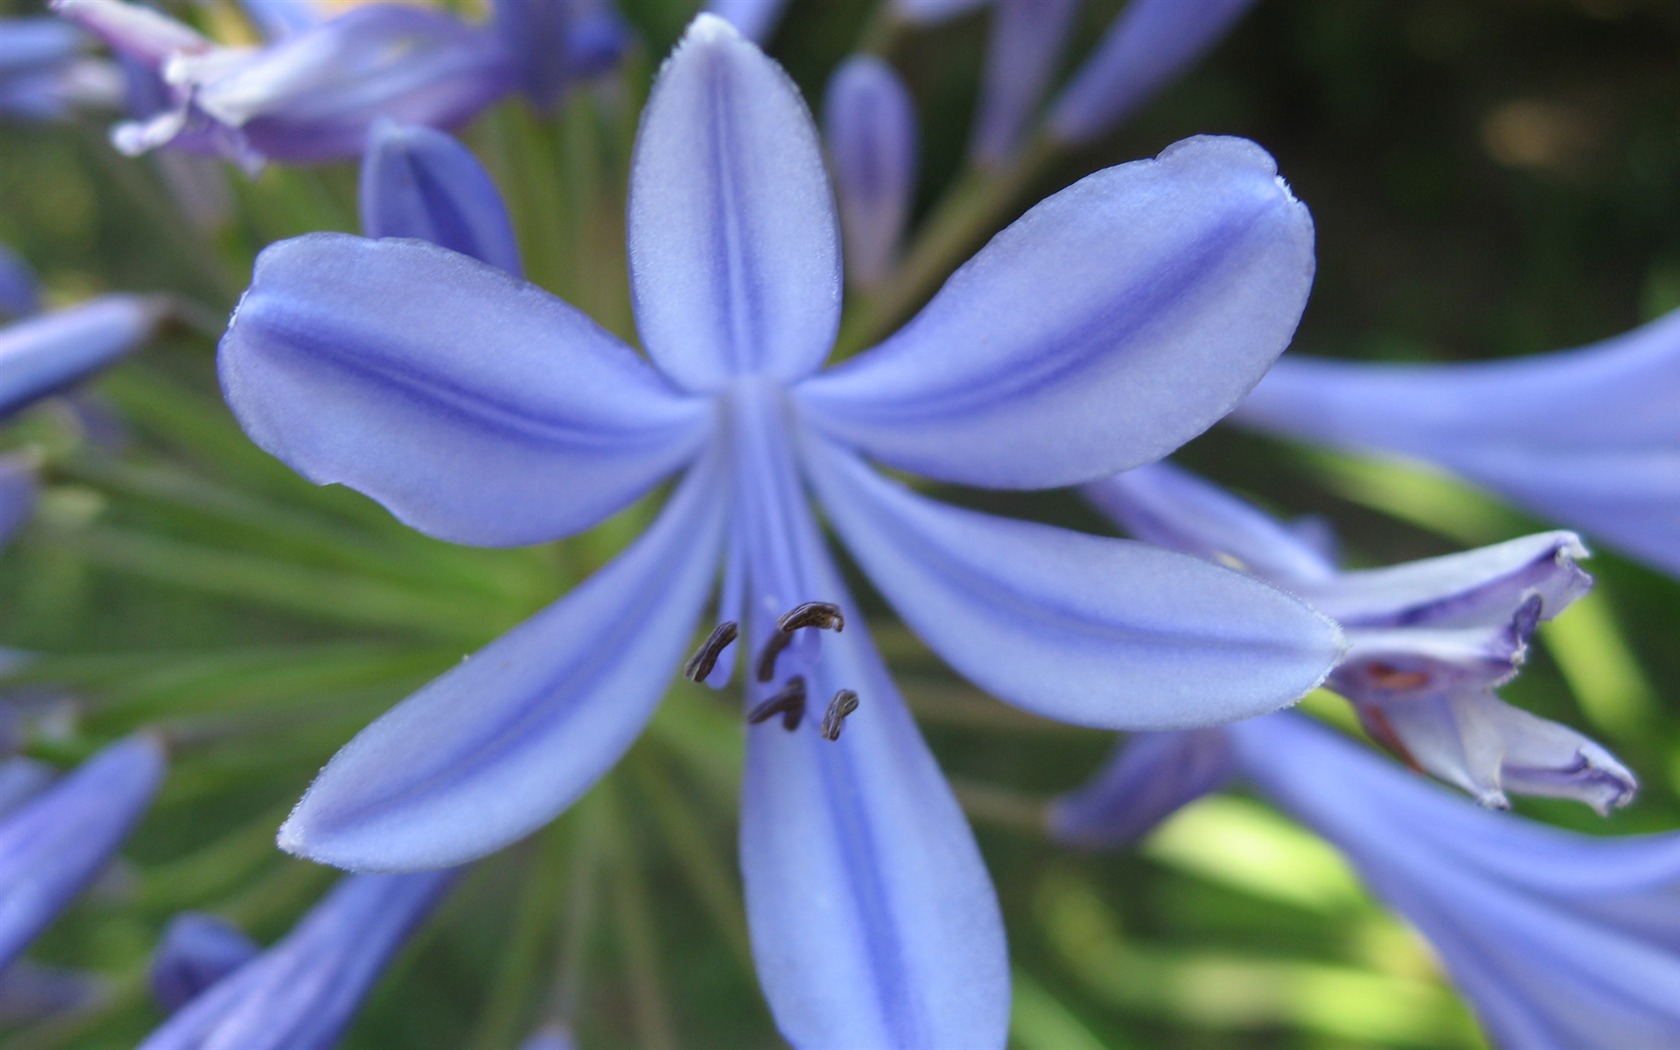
[304,991]
[500,744]
[1482,585]
[871,133]
[1587,437]
[54,845]
[754,19]
[1151,777]
[421,183]
[1172,508]
[32,45]
[1559,940]
[1085,629]
[1106,327]
[873,920]
[133,29]
[478,408]
[1026,41]
[734,251]
[1151,42]
[43,354]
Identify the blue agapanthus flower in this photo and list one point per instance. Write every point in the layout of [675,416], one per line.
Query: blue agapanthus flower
[1111,323]
[1587,437]
[1429,641]
[1559,940]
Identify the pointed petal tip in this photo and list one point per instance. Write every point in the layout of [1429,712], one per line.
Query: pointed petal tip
[708,28]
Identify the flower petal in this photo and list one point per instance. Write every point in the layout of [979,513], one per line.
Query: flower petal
[20,294]
[1026,42]
[45,353]
[18,492]
[1106,327]
[1172,508]
[421,183]
[54,845]
[1559,940]
[1147,46]
[873,920]
[304,991]
[754,19]
[476,407]
[496,747]
[734,253]
[871,127]
[1151,777]
[195,951]
[1099,632]
[1607,462]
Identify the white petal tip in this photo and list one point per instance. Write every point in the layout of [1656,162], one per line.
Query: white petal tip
[708,28]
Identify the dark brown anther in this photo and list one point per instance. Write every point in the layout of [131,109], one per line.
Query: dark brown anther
[824,616]
[767,656]
[700,665]
[789,703]
[834,719]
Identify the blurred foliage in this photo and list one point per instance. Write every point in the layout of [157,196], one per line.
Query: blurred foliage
[1488,178]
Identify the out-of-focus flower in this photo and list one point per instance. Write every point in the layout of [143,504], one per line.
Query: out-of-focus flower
[482,410]
[753,19]
[195,952]
[871,138]
[553,44]
[1586,437]
[53,846]
[30,992]
[1427,640]
[18,492]
[44,73]
[46,353]
[552,1037]
[20,295]
[1559,940]
[302,992]
[311,95]
[421,183]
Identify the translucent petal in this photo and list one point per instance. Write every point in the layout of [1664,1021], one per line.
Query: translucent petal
[1110,324]
[499,745]
[476,407]
[1085,629]
[734,251]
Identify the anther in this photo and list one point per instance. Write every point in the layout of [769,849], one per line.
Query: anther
[789,703]
[834,719]
[825,616]
[699,666]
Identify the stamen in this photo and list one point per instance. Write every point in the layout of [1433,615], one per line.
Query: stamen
[699,666]
[789,703]
[834,719]
[825,616]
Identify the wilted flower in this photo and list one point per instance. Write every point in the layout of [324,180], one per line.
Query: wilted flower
[1427,640]
[482,410]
